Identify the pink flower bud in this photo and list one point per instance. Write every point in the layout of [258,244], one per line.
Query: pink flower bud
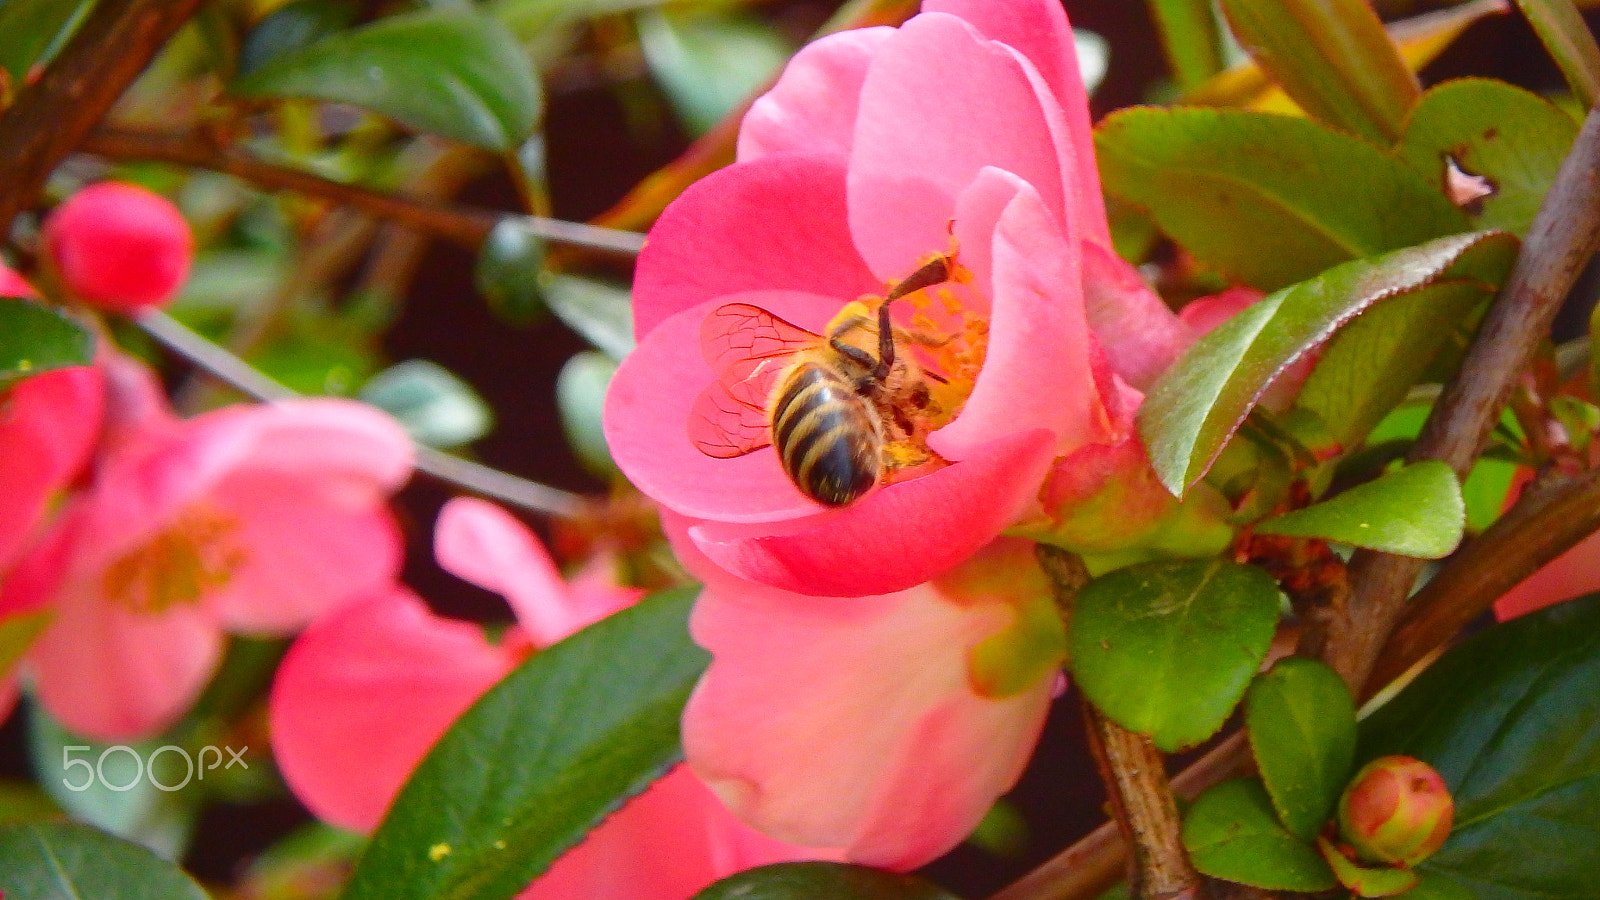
[119,247]
[1396,810]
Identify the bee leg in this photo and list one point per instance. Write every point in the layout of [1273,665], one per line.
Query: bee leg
[885,343]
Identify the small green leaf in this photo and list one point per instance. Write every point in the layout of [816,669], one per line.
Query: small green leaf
[455,72]
[431,403]
[1302,726]
[291,27]
[1414,511]
[580,395]
[1490,129]
[600,312]
[1167,649]
[1190,413]
[1333,58]
[1366,881]
[1232,833]
[1562,29]
[35,338]
[1511,719]
[510,271]
[809,880]
[1268,199]
[1191,39]
[540,759]
[58,861]
[708,64]
[33,29]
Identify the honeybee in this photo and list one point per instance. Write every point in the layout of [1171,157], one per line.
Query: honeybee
[840,417]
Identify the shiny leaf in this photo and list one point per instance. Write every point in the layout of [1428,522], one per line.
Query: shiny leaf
[580,394]
[61,861]
[1302,726]
[1232,833]
[1167,649]
[431,403]
[1190,413]
[510,271]
[453,72]
[540,759]
[1414,511]
[600,312]
[1268,199]
[708,64]
[291,27]
[35,338]
[808,880]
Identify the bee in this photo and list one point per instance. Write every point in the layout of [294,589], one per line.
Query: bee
[841,417]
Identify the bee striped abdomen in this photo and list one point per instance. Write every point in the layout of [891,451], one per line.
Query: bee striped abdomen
[826,435]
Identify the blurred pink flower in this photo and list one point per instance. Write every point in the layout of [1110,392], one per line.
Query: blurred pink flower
[367,690]
[252,518]
[877,150]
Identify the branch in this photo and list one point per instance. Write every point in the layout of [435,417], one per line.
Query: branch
[467,227]
[1564,235]
[480,479]
[52,115]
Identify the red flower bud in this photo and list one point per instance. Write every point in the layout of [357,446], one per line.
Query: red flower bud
[118,247]
[1396,810]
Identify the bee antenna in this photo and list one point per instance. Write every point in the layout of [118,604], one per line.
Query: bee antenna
[934,271]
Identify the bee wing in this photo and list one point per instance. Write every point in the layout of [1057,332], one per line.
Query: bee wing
[729,420]
[736,337]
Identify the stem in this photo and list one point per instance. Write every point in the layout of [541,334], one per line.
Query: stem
[1134,772]
[1562,238]
[51,116]
[480,479]
[467,227]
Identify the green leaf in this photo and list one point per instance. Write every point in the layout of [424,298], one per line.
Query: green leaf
[291,27]
[1268,199]
[537,18]
[580,395]
[540,759]
[600,312]
[1494,130]
[1231,833]
[35,338]
[61,861]
[1190,413]
[1511,719]
[1413,511]
[1191,39]
[1433,886]
[1302,726]
[431,403]
[808,880]
[708,64]
[510,271]
[455,72]
[1333,58]
[33,29]
[1561,27]
[1167,649]
[1364,880]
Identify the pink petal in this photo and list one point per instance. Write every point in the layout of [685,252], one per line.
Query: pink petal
[48,425]
[668,843]
[302,549]
[1572,574]
[776,223]
[364,693]
[1039,369]
[1140,334]
[112,674]
[14,285]
[328,439]
[647,421]
[812,108]
[478,541]
[896,537]
[1038,30]
[939,104]
[877,715]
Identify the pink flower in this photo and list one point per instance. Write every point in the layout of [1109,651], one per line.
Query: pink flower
[884,725]
[1572,574]
[966,129]
[366,691]
[119,247]
[250,519]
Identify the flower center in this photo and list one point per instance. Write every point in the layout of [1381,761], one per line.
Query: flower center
[195,555]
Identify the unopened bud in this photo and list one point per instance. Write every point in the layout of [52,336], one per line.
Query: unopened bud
[118,247]
[1396,810]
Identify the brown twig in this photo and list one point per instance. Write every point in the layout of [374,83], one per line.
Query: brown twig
[52,115]
[1562,238]
[467,227]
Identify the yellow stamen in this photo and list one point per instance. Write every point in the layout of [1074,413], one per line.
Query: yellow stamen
[197,554]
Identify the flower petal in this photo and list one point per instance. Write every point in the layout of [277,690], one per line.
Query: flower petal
[1141,336]
[776,223]
[812,107]
[888,727]
[893,538]
[48,425]
[363,694]
[939,104]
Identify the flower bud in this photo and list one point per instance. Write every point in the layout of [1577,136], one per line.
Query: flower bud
[118,247]
[1396,810]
